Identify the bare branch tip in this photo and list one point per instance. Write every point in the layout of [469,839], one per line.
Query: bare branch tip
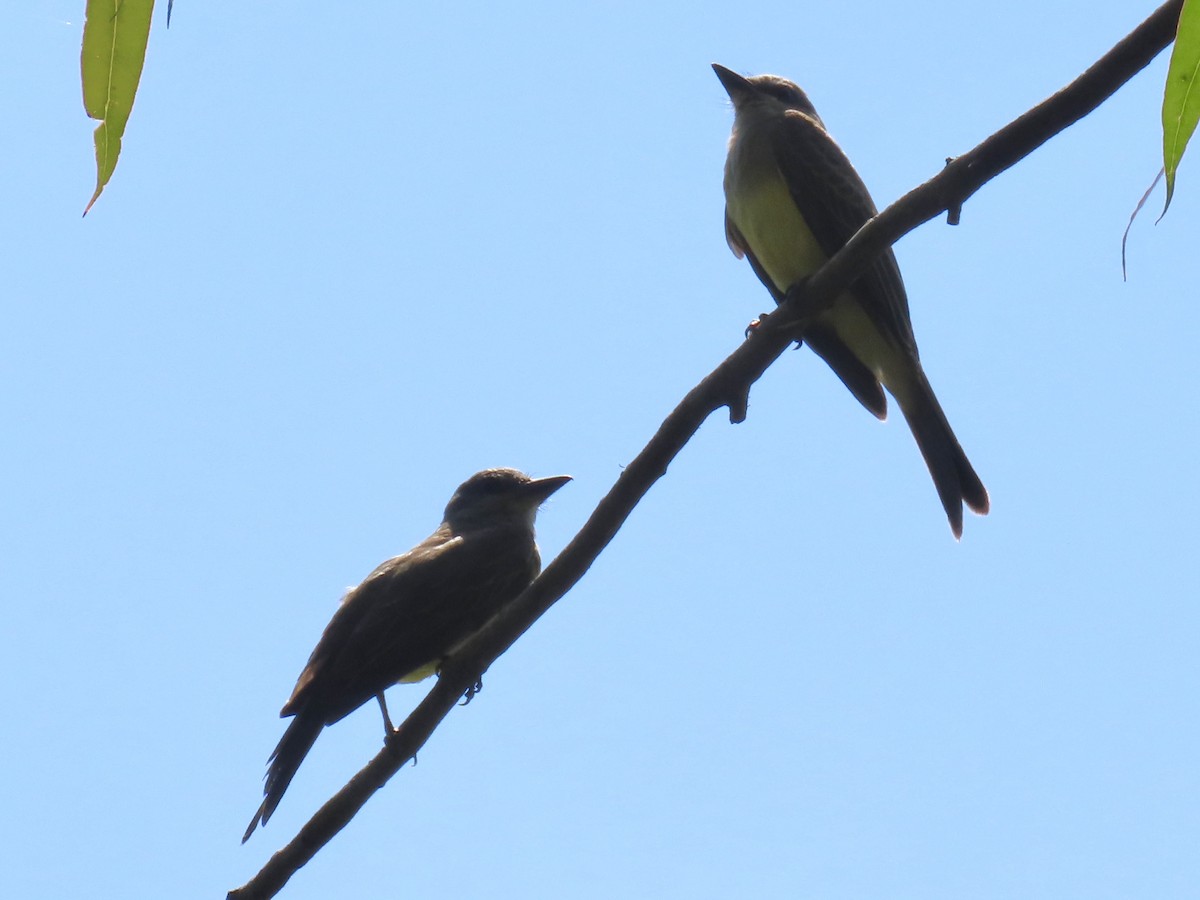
[739,406]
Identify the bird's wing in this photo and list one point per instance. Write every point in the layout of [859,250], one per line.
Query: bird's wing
[410,612]
[835,203]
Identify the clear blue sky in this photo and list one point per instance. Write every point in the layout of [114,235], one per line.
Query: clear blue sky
[353,254]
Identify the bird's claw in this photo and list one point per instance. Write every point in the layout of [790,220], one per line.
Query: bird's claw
[756,323]
[472,691]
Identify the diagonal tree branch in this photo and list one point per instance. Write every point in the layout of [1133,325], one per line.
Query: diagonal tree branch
[964,175]
[728,385]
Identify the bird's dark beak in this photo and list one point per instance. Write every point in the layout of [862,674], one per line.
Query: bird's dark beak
[541,488]
[738,88]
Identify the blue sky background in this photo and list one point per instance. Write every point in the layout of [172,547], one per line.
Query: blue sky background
[352,255]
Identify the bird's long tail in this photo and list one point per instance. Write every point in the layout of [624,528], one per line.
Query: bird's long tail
[953,476]
[297,740]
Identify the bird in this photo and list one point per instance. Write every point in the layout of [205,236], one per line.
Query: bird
[792,200]
[413,611]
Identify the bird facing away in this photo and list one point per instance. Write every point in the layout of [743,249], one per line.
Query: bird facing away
[414,611]
[792,200]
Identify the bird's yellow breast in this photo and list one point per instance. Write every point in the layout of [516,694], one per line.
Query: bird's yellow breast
[758,201]
[421,674]
[762,208]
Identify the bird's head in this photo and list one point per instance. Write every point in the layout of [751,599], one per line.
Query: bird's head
[764,89]
[498,496]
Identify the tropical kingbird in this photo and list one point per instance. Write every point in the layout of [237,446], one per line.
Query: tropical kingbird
[414,611]
[792,200]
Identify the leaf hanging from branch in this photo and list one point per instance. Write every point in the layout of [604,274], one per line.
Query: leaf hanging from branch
[114,47]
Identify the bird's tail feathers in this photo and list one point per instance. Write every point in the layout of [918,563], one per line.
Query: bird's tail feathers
[289,753]
[953,475]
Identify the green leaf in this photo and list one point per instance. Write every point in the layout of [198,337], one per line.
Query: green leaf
[114,48]
[1181,99]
